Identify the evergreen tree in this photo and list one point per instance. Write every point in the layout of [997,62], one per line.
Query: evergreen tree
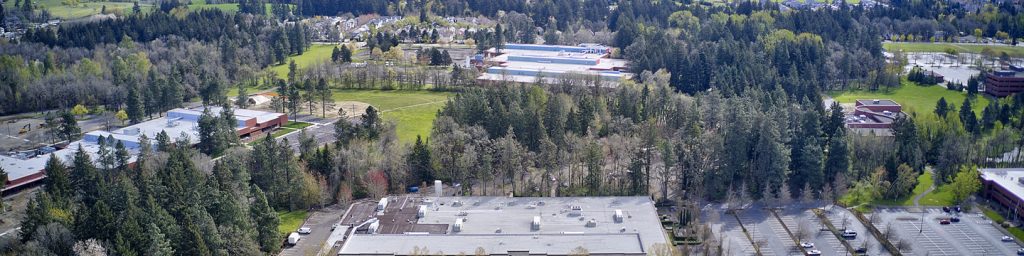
[158,243]
[242,100]
[838,159]
[344,132]
[990,115]
[326,95]
[163,141]
[37,214]
[58,183]
[346,54]
[942,108]
[419,161]
[968,118]
[209,142]
[336,54]
[135,103]
[68,129]
[371,123]
[266,221]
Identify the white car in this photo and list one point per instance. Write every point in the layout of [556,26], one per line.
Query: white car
[1007,239]
[814,252]
[305,230]
[807,245]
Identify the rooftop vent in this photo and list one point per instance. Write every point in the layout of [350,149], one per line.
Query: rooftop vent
[458,225]
[421,212]
[591,223]
[617,216]
[876,101]
[575,210]
[456,203]
[535,225]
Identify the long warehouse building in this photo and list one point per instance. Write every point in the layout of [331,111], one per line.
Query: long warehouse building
[510,226]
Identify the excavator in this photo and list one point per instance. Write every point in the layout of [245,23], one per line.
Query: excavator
[25,129]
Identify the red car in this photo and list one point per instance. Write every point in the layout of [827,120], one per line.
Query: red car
[944,221]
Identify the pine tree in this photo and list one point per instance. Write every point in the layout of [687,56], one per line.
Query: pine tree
[58,183]
[266,222]
[838,161]
[942,108]
[158,243]
[135,103]
[68,129]
[336,54]
[326,95]
[419,161]
[208,139]
[242,100]
[968,118]
[346,54]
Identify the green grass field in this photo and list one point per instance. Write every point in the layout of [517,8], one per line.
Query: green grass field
[914,98]
[924,181]
[317,53]
[58,9]
[291,221]
[413,111]
[1012,51]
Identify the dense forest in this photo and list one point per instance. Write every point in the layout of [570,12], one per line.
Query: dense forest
[726,104]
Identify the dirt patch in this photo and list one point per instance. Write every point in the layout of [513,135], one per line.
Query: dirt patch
[352,108]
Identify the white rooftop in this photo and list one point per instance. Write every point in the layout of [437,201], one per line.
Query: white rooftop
[503,224]
[1008,178]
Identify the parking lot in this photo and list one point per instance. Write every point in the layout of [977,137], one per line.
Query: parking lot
[320,223]
[920,228]
[770,233]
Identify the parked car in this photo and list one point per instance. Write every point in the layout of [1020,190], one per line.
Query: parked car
[807,245]
[956,208]
[1007,239]
[849,233]
[335,226]
[945,208]
[1020,251]
[814,252]
[305,230]
[954,219]
[944,221]
[861,250]
[293,238]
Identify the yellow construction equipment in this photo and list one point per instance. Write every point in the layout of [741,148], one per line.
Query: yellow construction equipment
[25,129]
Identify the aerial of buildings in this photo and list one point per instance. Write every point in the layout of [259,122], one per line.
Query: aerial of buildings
[526,63]
[26,167]
[498,225]
[1002,83]
[876,115]
[1005,186]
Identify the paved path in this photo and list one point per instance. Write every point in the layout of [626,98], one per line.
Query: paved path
[917,198]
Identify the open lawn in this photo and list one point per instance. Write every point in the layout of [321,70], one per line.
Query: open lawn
[315,54]
[413,111]
[1012,51]
[291,221]
[914,98]
[924,181]
[58,9]
[297,125]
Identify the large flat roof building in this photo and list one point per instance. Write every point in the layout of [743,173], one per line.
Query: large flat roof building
[509,226]
[873,116]
[27,167]
[1003,83]
[528,63]
[1006,187]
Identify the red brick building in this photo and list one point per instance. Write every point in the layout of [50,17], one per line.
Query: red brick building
[1004,83]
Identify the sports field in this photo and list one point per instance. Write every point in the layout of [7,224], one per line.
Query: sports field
[316,53]
[998,50]
[58,9]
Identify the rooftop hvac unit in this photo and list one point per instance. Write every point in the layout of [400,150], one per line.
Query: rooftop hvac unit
[876,101]
[456,203]
[1021,181]
[458,225]
[536,223]
[575,210]
[618,216]
[591,223]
